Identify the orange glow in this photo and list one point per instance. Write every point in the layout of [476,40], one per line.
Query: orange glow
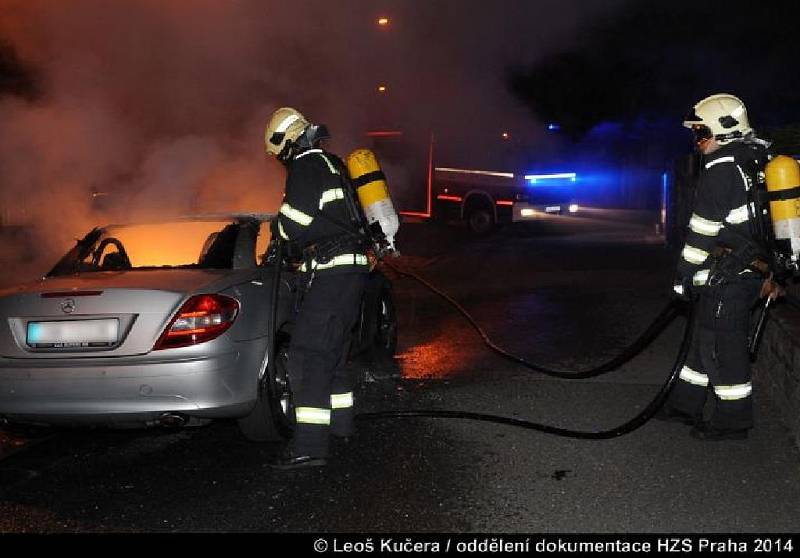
[442,357]
[200,314]
[414,213]
[449,198]
[165,244]
[382,89]
[429,193]
[187,332]
[428,198]
[384,134]
[383,21]
[505,202]
[505,135]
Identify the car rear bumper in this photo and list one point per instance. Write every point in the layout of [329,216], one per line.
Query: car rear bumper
[109,392]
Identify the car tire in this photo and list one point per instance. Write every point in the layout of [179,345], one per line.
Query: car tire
[270,420]
[480,221]
[384,332]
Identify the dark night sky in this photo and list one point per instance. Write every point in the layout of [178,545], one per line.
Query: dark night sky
[654,59]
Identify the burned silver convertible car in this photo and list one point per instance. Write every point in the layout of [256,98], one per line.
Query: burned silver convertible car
[163,323]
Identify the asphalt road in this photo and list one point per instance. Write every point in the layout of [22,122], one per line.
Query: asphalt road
[568,293]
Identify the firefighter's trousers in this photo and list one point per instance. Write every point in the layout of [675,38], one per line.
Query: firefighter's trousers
[718,362]
[321,382]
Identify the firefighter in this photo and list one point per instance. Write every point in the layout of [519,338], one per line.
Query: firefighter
[720,267]
[314,220]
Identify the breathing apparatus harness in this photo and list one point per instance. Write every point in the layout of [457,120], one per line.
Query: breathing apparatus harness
[770,253]
[775,259]
[356,234]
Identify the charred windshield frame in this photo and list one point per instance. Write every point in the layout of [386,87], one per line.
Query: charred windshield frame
[221,253]
[70,263]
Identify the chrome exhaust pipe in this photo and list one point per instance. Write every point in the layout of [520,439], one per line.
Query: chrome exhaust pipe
[172,420]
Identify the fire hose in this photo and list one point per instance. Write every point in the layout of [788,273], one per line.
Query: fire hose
[655,328]
[650,334]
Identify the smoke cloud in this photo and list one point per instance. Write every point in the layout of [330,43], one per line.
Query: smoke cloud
[148,108]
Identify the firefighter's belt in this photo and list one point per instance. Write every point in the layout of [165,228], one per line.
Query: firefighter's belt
[728,263]
[322,252]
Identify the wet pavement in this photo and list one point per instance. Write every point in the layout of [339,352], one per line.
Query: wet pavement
[567,293]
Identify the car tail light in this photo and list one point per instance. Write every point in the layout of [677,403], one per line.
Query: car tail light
[200,319]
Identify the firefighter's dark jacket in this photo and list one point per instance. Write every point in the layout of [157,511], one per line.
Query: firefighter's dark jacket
[314,213]
[720,216]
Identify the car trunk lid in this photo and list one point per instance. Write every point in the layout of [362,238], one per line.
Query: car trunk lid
[95,314]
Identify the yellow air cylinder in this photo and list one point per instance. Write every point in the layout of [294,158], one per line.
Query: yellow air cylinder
[782,174]
[373,194]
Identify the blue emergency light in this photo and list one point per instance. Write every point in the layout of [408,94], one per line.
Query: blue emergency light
[552,179]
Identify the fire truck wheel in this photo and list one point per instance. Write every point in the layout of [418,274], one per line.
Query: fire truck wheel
[480,221]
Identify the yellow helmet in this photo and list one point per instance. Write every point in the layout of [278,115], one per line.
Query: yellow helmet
[285,126]
[721,116]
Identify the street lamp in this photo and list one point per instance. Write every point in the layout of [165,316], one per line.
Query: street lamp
[383,22]
[382,89]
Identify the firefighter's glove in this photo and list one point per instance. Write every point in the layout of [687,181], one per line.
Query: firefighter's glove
[772,289]
[683,289]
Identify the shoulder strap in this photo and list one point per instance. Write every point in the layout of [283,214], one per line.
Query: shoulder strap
[356,221]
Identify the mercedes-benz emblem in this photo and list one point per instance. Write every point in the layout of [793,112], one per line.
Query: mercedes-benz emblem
[68,306]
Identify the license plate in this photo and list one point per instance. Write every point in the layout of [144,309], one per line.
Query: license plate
[75,333]
[552,209]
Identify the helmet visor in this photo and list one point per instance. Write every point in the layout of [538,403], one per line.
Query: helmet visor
[701,133]
[692,117]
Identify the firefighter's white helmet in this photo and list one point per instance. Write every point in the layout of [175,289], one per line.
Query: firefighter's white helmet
[285,126]
[721,116]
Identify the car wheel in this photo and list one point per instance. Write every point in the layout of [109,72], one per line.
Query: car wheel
[270,420]
[480,221]
[384,340]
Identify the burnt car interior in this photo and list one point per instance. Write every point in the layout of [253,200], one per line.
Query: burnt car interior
[219,252]
[230,246]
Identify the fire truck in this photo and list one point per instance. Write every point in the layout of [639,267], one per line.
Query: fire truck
[485,198]
[479,198]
